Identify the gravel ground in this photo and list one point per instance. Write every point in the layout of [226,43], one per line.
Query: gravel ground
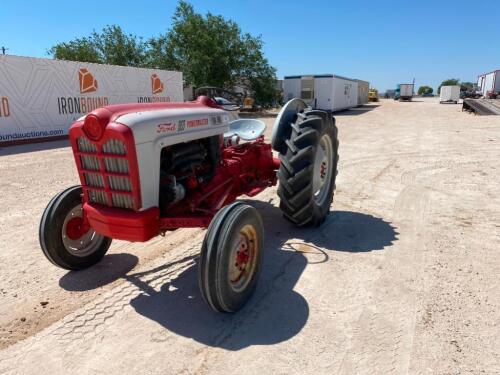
[401,278]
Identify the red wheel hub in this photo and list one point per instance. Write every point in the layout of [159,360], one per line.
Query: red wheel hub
[242,256]
[323,170]
[75,228]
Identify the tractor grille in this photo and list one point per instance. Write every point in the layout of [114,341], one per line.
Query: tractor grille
[106,173]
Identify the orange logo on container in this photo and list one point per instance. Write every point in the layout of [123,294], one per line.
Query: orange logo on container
[156,84]
[87,81]
[4,107]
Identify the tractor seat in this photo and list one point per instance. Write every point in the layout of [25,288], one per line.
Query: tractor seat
[246,129]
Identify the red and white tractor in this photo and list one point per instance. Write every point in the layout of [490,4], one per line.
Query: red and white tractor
[150,168]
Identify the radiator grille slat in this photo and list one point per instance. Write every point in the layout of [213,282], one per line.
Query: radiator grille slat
[94,179]
[90,162]
[85,145]
[114,147]
[119,183]
[116,165]
[122,201]
[97,196]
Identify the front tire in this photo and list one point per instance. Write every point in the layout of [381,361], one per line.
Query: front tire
[308,169]
[64,240]
[231,257]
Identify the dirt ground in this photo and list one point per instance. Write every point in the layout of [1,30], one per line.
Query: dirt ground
[403,277]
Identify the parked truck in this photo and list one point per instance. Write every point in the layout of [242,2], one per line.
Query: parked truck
[449,94]
[489,85]
[404,92]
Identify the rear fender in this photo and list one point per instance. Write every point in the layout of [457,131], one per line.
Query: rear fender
[282,125]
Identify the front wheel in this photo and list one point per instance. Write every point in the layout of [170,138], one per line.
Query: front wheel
[64,238]
[231,257]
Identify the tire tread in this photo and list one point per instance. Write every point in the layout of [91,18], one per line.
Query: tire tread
[297,167]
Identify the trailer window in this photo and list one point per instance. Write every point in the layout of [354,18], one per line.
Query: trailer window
[306,94]
[307,88]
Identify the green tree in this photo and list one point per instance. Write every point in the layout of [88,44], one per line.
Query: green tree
[210,50]
[207,49]
[110,46]
[80,49]
[467,86]
[449,82]
[425,90]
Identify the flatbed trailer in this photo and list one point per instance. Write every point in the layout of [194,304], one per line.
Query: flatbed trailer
[482,107]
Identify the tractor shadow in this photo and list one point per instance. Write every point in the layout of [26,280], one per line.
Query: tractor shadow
[276,312]
[111,268]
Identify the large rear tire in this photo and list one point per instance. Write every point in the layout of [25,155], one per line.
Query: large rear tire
[309,168]
[63,238]
[231,257]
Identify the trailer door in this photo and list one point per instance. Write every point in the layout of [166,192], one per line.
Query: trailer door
[323,93]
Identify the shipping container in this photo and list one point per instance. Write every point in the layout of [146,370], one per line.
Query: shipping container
[327,91]
[363,91]
[449,94]
[489,84]
[41,98]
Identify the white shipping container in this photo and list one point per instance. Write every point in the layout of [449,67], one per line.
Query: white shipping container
[363,91]
[328,92]
[449,94]
[41,98]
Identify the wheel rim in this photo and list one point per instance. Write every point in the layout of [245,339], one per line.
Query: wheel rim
[243,259]
[323,169]
[75,240]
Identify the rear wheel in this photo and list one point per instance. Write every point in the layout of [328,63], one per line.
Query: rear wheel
[231,257]
[308,168]
[64,238]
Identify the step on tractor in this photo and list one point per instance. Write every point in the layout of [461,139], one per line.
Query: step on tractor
[146,169]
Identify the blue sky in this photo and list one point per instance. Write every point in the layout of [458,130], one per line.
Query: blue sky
[385,42]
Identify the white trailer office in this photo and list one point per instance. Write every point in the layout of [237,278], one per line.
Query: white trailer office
[489,84]
[363,91]
[326,91]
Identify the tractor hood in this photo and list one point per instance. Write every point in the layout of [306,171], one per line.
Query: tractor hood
[169,122]
[175,125]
